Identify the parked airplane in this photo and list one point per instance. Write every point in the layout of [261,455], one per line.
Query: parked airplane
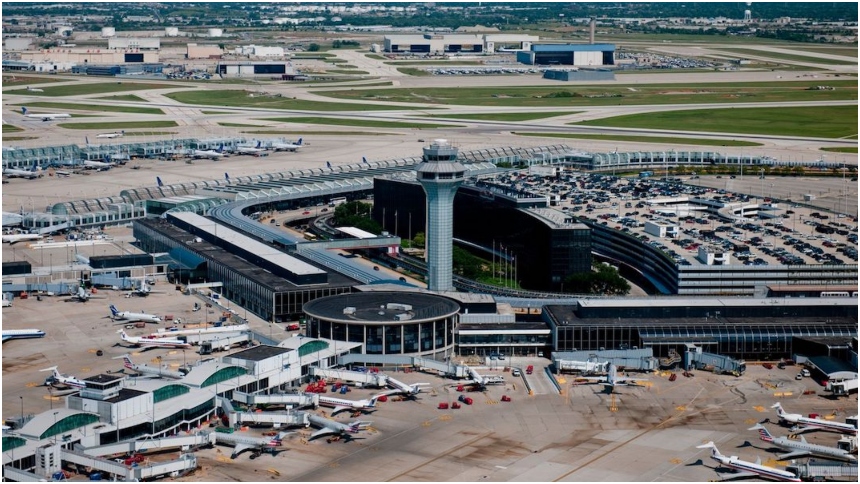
[15,238]
[22,334]
[130,316]
[82,296]
[233,328]
[277,146]
[35,172]
[806,424]
[97,165]
[252,150]
[746,469]
[330,427]
[60,380]
[45,116]
[401,388]
[34,89]
[801,447]
[364,160]
[242,443]
[210,154]
[480,380]
[341,404]
[119,134]
[150,342]
[149,370]
[611,380]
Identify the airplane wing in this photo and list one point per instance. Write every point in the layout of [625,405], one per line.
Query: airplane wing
[792,455]
[388,392]
[323,431]
[799,430]
[728,476]
[239,448]
[340,408]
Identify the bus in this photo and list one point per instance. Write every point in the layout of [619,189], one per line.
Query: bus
[309,236]
[645,174]
[337,201]
[834,294]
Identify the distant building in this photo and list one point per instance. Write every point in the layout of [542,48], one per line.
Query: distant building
[205,51]
[585,55]
[146,43]
[254,68]
[431,43]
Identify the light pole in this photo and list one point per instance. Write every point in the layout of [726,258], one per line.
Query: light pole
[22,410]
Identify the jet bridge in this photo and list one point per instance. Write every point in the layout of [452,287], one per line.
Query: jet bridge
[146,445]
[127,473]
[288,399]
[365,378]
[275,418]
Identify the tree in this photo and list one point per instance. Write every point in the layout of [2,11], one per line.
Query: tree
[419,240]
[605,281]
[313,48]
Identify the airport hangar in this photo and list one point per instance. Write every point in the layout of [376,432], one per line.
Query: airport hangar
[437,44]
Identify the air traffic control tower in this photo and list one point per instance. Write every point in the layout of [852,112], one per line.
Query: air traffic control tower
[440,174]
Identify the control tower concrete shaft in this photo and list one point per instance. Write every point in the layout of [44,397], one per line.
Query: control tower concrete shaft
[440,174]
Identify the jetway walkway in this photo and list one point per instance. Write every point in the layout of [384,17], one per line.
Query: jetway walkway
[291,400]
[131,474]
[365,378]
[146,445]
[236,418]
[17,475]
[418,362]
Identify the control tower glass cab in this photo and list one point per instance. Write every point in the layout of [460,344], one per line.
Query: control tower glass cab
[440,174]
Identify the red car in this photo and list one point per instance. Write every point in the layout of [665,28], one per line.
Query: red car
[306,213]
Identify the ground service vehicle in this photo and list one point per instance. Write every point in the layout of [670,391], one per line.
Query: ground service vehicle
[465,399]
[530,369]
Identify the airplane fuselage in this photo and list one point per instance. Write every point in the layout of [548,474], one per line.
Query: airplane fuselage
[734,463]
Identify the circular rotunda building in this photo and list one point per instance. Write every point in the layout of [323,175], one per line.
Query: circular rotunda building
[390,323]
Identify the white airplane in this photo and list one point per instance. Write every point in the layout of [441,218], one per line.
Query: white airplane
[611,380]
[330,427]
[62,174]
[119,134]
[251,150]
[401,388]
[242,443]
[801,447]
[34,89]
[341,404]
[277,146]
[480,380]
[806,424]
[234,328]
[97,165]
[149,370]
[150,342]
[210,154]
[28,174]
[58,379]
[130,316]
[746,469]
[45,116]
[22,333]
[15,238]
[82,296]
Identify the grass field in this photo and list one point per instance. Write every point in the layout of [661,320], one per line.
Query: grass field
[18,138]
[789,57]
[94,107]
[834,149]
[14,80]
[411,71]
[125,97]
[359,123]
[239,125]
[503,116]
[203,111]
[376,57]
[819,121]
[100,88]
[430,62]
[843,51]
[645,139]
[354,72]
[242,99]
[576,96]
[122,125]
[11,128]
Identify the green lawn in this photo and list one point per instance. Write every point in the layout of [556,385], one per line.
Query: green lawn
[125,97]
[503,116]
[83,89]
[10,128]
[242,99]
[611,95]
[347,71]
[239,125]
[339,133]
[788,57]
[843,51]
[847,149]
[645,139]
[15,79]
[411,71]
[359,122]
[819,121]
[122,125]
[95,107]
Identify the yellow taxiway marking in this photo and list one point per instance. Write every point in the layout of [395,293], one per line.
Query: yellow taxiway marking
[758,408]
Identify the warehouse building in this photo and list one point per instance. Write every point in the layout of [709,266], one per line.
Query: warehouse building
[254,68]
[456,43]
[584,55]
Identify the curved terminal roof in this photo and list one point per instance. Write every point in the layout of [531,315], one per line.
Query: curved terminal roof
[381,307]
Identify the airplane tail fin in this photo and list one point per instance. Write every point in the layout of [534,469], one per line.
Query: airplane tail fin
[87,139]
[259,144]
[299,142]
[762,432]
[113,310]
[127,360]
[53,370]
[373,402]
[778,407]
[227,177]
[328,165]
[23,110]
[158,180]
[710,445]
[364,160]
